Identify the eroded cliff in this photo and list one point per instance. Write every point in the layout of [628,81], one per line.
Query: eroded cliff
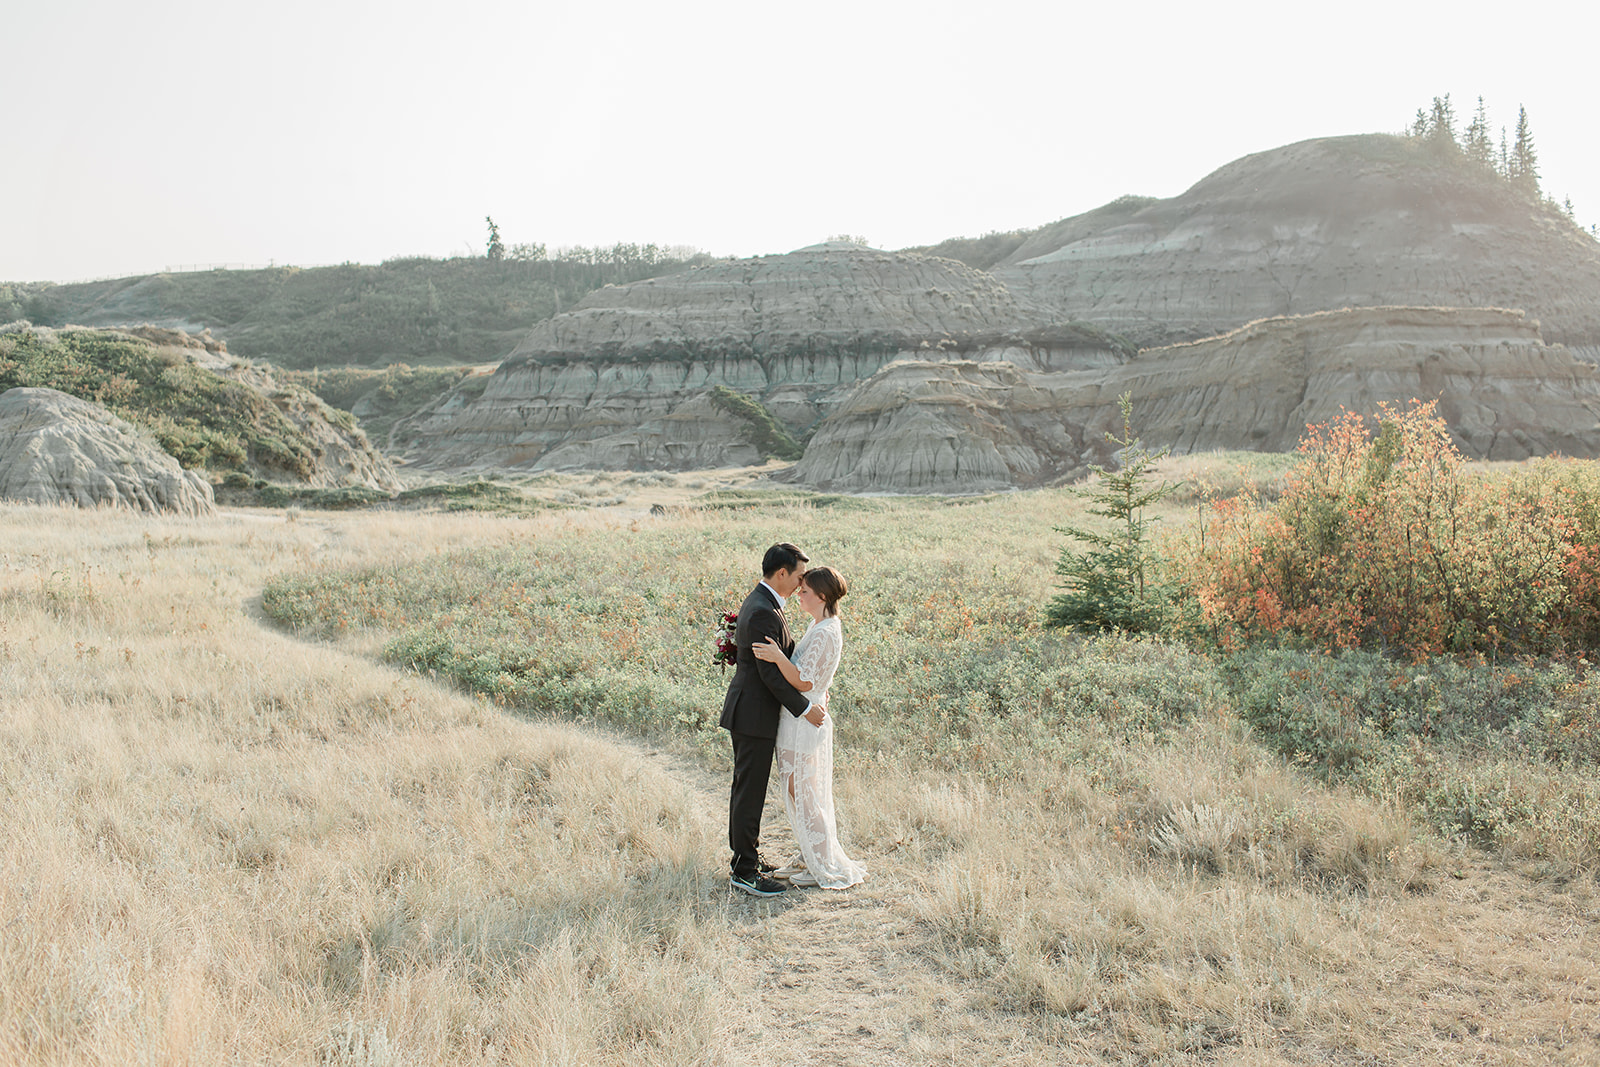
[621,381]
[965,427]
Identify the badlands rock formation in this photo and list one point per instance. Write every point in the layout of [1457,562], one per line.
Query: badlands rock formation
[56,448]
[1504,393]
[620,380]
[963,427]
[1320,225]
[955,426]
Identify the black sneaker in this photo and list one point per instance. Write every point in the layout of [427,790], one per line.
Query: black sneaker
[764,865]
[757,885]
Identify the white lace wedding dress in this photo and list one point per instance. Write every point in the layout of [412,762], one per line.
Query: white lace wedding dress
[805,764]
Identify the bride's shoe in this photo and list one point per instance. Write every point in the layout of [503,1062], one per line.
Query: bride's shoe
[803,879]
[790,869]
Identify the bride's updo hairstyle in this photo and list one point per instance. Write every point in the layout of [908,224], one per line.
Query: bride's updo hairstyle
[829,586]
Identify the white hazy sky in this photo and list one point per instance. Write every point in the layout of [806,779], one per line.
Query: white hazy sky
[166,133]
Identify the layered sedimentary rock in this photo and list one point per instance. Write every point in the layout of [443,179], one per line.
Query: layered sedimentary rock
[1504,392]
[1374,222]
[620,381]
[56,448]
[949,426]
[694,435]
[1320,225]
[830,297]
[964,427]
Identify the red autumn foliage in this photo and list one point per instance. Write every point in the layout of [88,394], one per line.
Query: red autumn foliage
[1383,540]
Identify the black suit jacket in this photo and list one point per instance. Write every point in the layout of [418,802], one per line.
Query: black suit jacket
[758,689]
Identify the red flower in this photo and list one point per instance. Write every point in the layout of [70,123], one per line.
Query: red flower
[727,650]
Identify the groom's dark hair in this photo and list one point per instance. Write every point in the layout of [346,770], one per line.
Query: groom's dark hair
[782,557]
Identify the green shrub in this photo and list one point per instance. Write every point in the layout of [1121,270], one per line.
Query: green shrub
[342,498]
[1493,752]
[948,664]
[765,434]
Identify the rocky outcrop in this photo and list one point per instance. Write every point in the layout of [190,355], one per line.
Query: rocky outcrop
[345,458]
[967,427]
[186,389]
[1504,393]
[343,455]
[56,448]
[954,426]
[1320,225]
[621,380]
[694,435]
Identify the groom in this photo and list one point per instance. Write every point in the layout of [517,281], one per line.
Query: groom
[756,697]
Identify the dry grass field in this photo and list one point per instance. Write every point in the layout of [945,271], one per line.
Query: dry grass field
[227,842]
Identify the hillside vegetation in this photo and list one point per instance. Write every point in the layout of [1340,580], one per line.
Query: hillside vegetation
[202,419]
[416,310]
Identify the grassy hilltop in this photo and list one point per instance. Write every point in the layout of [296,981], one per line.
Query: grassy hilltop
[415,310]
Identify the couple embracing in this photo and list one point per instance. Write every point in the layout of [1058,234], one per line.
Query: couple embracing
[777,704]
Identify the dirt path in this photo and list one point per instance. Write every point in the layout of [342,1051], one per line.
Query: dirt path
[840,978]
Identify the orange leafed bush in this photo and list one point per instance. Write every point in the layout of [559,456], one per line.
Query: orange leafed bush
[1382,540]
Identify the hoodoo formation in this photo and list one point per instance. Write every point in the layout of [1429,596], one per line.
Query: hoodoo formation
[1332,273]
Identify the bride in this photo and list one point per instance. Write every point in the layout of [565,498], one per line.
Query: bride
[805,752]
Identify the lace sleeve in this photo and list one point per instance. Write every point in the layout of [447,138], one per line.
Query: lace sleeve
[820,658]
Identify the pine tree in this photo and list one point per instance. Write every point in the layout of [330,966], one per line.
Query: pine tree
[1109,587]
[1442,126]
[1524,169]
[497,251]
[1478,147]
[1419,125]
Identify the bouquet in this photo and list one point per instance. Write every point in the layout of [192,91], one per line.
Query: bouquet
[727,650]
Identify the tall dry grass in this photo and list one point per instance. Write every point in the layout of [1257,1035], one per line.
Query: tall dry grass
[228,843]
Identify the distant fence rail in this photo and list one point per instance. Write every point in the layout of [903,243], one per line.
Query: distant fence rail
[191,268]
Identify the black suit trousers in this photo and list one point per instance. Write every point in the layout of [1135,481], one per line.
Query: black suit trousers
[752,767]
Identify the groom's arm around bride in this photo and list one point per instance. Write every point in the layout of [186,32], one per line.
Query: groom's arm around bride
[757,695]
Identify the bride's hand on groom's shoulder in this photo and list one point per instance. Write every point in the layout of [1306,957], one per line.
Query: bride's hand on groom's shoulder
[768,650]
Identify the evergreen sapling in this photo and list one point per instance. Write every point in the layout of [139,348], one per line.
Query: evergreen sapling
[1111,585]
